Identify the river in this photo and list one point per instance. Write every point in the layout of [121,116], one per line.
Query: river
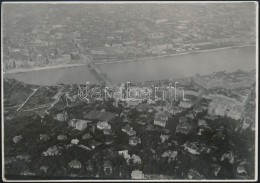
[173,67]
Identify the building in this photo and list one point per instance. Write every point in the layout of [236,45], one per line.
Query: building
[136,159]
[198,109]
[160,48]
[129,130]
[216,169]
[107,131]
[177,40]
[44,137]
[204,45]
[192,147]
[225,106]
[156,35]
[161,118]
[133,141]
[82,124]
[86,136]
[229,155]
[223,81]
[241,168]
[74,141]
[117,45]
[75,164]
[51,151]
[129,43]
[17,139]
[62,116]
[161,21]
[125,154]
[62,137]
[160,121]
[184,126]
[137,174]
[186,104]
[171,155]
[27,173]
[202,122]
[25,157]
[108,166]
[103,125]
[194,174]
[44,169]
[164,137]
[79,124]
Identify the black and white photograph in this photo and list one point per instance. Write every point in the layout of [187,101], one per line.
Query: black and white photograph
[129,91]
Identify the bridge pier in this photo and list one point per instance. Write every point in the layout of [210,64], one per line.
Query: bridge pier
[98,74]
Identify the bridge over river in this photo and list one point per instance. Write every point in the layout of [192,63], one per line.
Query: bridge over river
[99,75]
[103,79]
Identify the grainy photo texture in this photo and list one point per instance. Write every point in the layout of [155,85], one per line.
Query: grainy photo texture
[129,91]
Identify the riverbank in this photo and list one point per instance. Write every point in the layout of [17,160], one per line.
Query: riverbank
[174,54]
[120,61]
[203,63]
[43,68]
